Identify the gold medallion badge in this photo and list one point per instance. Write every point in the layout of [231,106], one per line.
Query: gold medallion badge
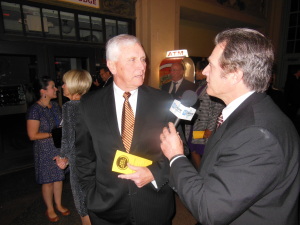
[122,162]
[122,159]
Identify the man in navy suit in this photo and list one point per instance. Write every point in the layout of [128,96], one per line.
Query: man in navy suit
[143,197]
[178,84]
[249,173]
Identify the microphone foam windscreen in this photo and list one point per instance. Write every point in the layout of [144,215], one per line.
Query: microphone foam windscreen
[189,98]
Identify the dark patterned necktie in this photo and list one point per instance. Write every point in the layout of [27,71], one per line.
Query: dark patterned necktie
[127,122]
[174,88]
[220,120]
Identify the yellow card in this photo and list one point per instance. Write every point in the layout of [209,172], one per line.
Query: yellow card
[198,134]
[122,158]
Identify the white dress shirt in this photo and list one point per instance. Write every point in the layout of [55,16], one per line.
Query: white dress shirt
[119,101]
[177,86]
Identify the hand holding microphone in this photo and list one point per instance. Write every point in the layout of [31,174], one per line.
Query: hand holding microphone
[171,143]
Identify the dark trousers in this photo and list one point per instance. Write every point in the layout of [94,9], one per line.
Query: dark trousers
[98,220]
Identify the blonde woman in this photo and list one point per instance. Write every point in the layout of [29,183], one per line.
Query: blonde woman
[76,84]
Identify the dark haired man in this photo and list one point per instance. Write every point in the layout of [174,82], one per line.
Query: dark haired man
[249,173]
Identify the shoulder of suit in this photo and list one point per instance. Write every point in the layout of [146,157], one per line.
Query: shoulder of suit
[187,81]
[190,84]
[166,84]
[95,94]
[154,91]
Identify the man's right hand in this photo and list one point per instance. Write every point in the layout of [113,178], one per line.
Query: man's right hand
[96,83]
[171,143]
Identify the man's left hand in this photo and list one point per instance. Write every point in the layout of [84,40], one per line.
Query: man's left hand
[141,177]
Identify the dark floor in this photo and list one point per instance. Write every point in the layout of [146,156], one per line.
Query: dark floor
[21,202]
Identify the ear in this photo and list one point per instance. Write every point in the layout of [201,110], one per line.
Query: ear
[42,91]
[237,76]
[111,66]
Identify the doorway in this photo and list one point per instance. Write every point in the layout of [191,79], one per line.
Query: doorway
[64,64]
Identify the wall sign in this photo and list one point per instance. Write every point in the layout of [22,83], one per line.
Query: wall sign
[88,3]
[177,53]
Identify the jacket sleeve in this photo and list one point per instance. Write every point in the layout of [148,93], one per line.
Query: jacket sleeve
[85,155]
[68,133]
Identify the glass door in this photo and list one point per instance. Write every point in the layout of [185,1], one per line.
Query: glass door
[64,64]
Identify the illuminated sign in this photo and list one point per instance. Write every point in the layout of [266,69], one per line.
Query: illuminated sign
[88,3]
[177,53]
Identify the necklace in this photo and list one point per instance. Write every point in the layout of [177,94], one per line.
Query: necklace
[48,106]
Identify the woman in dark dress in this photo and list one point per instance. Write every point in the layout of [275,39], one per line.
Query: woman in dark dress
[42,117]
[76,84]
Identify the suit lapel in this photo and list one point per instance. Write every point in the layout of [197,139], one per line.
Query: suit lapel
[180,88]
[141,111]
[168,85]
[215,138]
[110,112]
[236,119]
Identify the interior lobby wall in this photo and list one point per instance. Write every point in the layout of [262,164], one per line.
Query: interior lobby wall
[192,25]
[197,38]
[157,27]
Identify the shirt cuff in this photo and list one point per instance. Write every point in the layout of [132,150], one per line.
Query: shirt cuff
[154,183]
[176,157]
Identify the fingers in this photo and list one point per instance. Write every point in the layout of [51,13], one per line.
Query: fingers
[167,131]
[61,166]
[172,128]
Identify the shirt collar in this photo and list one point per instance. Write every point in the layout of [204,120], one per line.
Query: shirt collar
[179,81]
[120,92]
[234,104]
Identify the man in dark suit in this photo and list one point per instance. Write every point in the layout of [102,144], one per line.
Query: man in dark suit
[143,197]
[249,173]
[106,76]
[178,85]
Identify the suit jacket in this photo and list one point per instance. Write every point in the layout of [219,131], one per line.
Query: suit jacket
[249,173]
[185,85]
[98,138]
[109,81]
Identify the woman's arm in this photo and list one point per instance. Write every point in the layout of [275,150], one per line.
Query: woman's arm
[33,131]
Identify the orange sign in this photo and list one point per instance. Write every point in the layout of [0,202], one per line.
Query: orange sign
[88,3]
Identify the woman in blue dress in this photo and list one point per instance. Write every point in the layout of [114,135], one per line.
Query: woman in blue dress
[76,84]
[42,117]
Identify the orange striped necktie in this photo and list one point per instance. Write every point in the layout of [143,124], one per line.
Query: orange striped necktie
[127,122]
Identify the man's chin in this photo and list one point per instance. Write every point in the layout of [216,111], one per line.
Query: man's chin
[208,92]
[211,93]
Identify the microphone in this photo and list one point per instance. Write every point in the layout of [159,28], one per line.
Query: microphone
[183,110]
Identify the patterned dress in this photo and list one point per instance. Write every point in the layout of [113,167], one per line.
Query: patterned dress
[70,110]
[46,170]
